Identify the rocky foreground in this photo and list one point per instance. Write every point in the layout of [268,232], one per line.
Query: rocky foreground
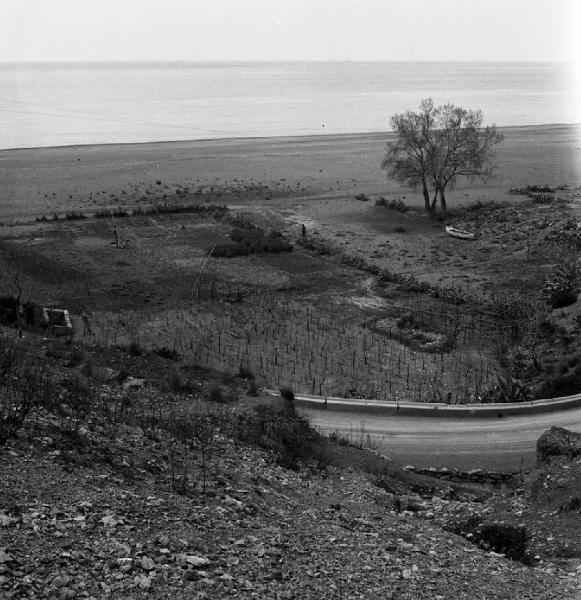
[104,507]
[73,526]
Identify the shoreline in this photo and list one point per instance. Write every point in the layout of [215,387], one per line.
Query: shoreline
[275,138]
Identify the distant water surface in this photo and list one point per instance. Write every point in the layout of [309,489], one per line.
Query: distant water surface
[85,103]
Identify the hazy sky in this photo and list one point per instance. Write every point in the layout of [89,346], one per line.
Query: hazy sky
[39,30]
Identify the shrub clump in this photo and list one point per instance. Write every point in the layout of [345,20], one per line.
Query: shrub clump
[560,285]
[289,437]
[168,353]
[252,241]
[393,204]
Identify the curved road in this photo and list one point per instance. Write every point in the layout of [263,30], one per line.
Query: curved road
[505,443]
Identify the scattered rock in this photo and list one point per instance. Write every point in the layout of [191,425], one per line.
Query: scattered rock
[197,561]
[147,564]
[558,441]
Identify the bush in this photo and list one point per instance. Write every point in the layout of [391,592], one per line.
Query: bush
[362,197]
[75,216]
[252,388]
[77,357]
[400,229]
[245,373]
[192,431]
[24,386]
[164,352]
[563,384]
[290,438]
[393,204]
[133,348]
[215,395]
[562,298]
[176,384]
[287,393]
[252,241]
[77,401]
[529,190]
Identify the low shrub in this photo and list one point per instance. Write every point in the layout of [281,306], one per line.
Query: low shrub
[24,386]
[134,348]
[245,373]
[362,197]
[562,384]
[533,189]
[77,401]
[77,357]
[560,283]
[118,212]
[165,352]
[393,204]
[287,393]
[252,241]
[252,388]
[176,384]
[75,216]
[215,395]
[193,433]
[562,298]
[290,438]
[400,229]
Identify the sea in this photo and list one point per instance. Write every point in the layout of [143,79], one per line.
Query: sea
[60,104]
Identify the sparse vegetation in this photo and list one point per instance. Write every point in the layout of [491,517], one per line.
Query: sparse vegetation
[392,204]
[24,387]
[252,241]
[362,197]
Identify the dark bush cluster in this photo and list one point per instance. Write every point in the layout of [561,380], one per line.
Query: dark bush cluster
[560,285]
[393,204]
[168,353]
[157,208]
[289,437]
[252,241]
[533,189]
[167,207]
[118,212]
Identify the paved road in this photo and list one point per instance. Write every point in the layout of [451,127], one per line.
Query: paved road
[500,443]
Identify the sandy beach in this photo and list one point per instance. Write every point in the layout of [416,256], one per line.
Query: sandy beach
[44,180]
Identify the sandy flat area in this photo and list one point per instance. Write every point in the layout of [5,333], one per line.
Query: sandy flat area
[43,180]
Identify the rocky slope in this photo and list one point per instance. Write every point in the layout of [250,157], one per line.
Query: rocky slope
[114,506]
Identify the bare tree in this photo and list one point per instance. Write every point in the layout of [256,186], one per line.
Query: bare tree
[436,146]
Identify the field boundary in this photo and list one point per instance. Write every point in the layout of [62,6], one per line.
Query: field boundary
[433,409]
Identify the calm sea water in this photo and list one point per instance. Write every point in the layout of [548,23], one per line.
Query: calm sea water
[69,103]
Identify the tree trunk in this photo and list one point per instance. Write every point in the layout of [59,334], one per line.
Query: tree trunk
[434,201]
[426,195]
[442,201]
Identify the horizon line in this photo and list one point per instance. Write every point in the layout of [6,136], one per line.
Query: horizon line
[283,60]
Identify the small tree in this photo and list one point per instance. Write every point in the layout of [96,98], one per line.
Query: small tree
[436,146]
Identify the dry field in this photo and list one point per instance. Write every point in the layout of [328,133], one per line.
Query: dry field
[303,319]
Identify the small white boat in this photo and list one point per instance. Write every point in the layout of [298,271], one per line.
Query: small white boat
[459,233]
